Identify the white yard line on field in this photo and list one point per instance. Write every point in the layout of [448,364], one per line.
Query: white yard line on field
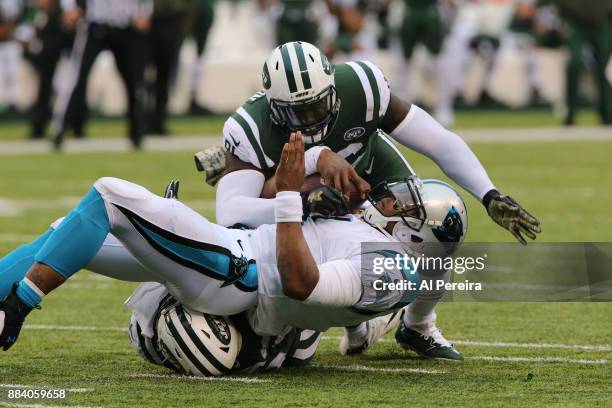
[14,208]
[246,380]
[499,344]
[11,208]
[73,328]
[15,238]
[198,142]
[537,360]
[377,369]
[14,404]
[476,343]
[502,344]
[46,387]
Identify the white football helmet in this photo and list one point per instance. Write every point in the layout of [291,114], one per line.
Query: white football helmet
[430,215]
[300,87]
[199,343]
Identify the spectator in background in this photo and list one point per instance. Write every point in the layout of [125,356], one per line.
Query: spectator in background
[169,25]
[10,51]
[121,27]
[590,23]
[202,20]
[54,35]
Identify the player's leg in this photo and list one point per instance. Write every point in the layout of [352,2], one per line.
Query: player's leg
[15,265]
[418,330]
[408,38]
[601,39]
[573,68]
[202,264]
[199,262]
[88,43]
[129,49]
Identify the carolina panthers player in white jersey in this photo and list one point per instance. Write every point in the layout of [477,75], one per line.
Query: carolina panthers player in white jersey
[313,267]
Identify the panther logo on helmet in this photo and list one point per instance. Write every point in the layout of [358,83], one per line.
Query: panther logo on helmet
[451,229]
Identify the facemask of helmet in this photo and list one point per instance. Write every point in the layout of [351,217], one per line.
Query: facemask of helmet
[313,116]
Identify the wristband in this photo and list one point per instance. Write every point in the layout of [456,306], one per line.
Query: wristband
[311,158]
[486,200]
[288,206]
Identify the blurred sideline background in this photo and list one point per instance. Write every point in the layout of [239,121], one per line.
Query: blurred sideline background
[483,54]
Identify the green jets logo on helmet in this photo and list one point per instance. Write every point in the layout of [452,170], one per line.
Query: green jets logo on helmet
[327,67]
[265,76]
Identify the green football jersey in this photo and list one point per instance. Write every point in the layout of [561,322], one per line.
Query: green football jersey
[364,98]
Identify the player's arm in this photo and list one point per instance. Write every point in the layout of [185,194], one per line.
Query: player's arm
[416,129]
[239,190]
[238,195]
[298,270]
[244,196]
[333,283]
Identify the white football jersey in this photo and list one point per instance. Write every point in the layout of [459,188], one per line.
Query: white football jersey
[328,240]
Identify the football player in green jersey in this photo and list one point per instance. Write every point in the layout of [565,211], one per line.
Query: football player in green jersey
[348,117]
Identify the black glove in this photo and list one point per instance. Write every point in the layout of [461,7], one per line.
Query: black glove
[12,314]
[325,202]
[172,190]
[505,211]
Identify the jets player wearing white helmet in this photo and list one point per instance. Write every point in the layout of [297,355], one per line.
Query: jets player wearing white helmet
[347,115]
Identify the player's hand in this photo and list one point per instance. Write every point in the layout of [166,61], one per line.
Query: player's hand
[291,169]
[212,162]
[12,314]
[338,173]
[325,202]
[172,189]
[510,215]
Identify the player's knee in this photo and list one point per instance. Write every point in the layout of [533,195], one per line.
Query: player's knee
[111,188]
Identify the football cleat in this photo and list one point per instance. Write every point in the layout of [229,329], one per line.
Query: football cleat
[377,329]
[432,345]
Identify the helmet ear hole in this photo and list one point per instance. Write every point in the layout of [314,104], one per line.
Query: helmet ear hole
[415,238]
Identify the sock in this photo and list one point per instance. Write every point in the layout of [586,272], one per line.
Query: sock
[357,334]
[420,315]
[29,293]
[15,265]
[77,240]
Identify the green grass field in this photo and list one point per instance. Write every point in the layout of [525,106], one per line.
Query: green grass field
[517,354]
[188,125]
